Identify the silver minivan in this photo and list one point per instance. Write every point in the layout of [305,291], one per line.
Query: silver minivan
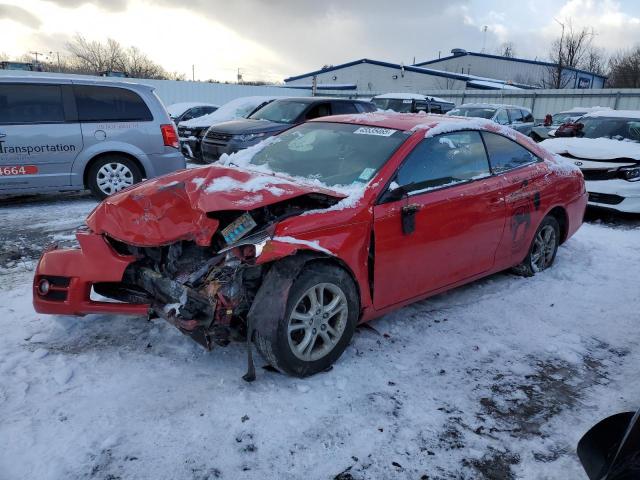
[61,134]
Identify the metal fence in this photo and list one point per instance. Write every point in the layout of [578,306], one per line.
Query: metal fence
[540,102]
[171,91]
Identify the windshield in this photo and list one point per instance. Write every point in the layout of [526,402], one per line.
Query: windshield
[614,128]
[334,153]
[560,118]
[395,104]
[280,111]
[477,112]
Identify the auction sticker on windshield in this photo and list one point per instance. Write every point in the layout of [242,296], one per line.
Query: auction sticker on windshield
[382,132]
[18,170]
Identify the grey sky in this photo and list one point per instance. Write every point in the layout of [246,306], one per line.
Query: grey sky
[274,39]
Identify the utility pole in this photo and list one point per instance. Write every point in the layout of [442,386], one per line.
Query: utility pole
[239,76]
[36,55]
[484,37]
[57,58]
[193,73]
[314,86]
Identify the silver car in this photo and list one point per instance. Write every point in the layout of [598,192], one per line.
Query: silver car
[514,116]
[71,134]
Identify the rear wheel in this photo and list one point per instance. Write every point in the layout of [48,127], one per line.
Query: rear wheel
[544,247]
[319,321]
[112,173]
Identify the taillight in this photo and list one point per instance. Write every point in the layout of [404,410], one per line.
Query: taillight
[170,136]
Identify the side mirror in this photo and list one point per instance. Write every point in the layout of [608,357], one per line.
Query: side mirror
[610,450]
[396,192]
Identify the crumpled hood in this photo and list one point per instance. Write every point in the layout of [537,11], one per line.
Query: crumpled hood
[248,126]
[175,206]
[593,148]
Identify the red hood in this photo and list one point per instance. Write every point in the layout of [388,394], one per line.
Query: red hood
[174,207]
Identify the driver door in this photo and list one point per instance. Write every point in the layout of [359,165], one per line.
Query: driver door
[444,226]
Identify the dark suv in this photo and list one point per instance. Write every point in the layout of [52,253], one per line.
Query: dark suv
[273,118]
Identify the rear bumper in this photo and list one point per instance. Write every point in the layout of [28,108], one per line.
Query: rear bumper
[620,195]
[71,274]
[162,163]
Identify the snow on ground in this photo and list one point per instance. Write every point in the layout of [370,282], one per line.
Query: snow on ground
[497,379]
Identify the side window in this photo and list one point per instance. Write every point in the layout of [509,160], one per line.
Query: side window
[110,104]
[436,108]
[528,116]
[502,117]
[340,108]
[207,110]
[505,154]
[20,103]
[516,115]
[319,110]
[444,160]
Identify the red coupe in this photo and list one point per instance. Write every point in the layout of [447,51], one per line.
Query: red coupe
[291,243]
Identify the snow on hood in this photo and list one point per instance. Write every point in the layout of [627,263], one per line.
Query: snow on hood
[237,108]
[635,114]
[593,148]
[174,207]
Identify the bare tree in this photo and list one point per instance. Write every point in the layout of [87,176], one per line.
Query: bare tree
[567,51]
[594,61]
[625,69]
[94,57]
[506,49]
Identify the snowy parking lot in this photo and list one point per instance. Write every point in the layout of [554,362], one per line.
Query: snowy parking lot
[497,379]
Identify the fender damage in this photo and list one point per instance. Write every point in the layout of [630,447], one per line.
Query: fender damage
[178,249]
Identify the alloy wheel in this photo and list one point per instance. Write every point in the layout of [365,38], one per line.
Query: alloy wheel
[544,247]
[317,321]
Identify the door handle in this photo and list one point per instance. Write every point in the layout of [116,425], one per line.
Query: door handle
[409,218]
[410,209]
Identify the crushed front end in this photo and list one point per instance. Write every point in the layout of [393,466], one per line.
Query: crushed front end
[203,288]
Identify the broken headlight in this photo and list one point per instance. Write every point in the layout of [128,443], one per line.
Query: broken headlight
[251,245]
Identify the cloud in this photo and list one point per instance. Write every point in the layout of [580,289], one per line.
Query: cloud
[307,35]
[111,5]
[20,15]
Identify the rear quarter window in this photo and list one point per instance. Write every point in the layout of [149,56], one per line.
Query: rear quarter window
[110,104]
[23,103]
[505,154]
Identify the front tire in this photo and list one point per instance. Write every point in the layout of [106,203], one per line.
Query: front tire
[320,318]
[110,174]
[544,247]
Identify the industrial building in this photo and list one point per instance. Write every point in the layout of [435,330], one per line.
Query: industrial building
[370,77]
[514,70]
[461,71]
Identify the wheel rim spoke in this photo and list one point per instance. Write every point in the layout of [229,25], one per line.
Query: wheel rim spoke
[317,321]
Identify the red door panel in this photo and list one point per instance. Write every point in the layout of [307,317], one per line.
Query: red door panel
[457,232]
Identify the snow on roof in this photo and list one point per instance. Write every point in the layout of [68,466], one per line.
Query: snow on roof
[403,96]
[615,114]
[593,148]
[177,109]
[492,85]
[585,109]
[237,108]
[469,123]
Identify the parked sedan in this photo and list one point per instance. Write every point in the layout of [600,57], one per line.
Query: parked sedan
[180,112]
[542,131]
[518,118]
[606,147]
[330,224]
[272,119]
[192,131]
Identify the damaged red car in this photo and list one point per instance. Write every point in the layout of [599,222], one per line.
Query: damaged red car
[293,242]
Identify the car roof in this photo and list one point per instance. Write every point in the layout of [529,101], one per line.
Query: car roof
[492,105]
[397,121]
[320,99]
[76,80]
